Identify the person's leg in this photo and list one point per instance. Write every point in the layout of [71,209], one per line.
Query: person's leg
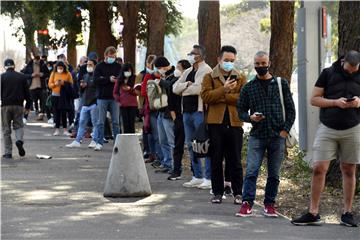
[6,117]
[18,123]
[170,138]
[179,144]
[84,118]
[255,154]
[132,116]
[101,120]
[64,118]
[349,183]
[114,111]
[233,146]
[217,155]
[189,129]
[124,118]
[197,120]
[155,136]
[34,99]
[94,113]
[276,152]
[42,100]
[163,141]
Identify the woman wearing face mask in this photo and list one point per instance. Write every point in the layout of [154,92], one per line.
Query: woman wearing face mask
[124,93]
[58,79]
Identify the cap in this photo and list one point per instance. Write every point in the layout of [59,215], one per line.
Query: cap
[9,63]
[92,56]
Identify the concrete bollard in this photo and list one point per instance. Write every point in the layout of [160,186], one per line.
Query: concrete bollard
[127,176]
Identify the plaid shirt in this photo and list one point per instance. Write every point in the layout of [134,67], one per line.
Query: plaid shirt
[254,98]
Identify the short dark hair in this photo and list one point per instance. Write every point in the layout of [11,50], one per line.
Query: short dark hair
[352,57]
[61,64]
[201,49]
[227,48]
[185,64]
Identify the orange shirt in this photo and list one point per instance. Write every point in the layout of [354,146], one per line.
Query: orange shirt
[55,76]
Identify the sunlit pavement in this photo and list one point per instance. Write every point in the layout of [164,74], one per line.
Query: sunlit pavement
[61,198]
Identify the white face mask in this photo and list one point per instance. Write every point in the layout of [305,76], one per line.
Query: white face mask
[162,71]
[191,59]
[89,69]
[60,70]
[177,73]
[127,74]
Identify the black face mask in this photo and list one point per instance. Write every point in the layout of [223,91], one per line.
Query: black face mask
[262,71]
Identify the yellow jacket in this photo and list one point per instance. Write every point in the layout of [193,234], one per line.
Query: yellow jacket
[55,76]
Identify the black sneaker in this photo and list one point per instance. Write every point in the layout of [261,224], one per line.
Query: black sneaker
[347,219]
[19,145]
[7,156]
[174,176]
[228,191]
[156,164]
[238,200]
[217,199]
[307,219]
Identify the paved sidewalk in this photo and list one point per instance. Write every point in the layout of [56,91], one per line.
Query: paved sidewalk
[61,198]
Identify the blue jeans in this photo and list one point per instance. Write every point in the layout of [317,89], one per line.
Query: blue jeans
[166,139]
[275,153]
[191,123]
[105,105]
[87,113]
[154,137]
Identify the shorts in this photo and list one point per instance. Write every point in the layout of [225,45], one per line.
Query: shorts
[330,144]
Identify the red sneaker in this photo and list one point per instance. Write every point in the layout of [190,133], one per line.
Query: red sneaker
[245,210]
[270,211]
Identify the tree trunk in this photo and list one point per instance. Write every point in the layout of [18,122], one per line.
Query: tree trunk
[101,35]
[209,30]
[282,38]
[156,15]
[129,12]
[71,48]
[29,30]
[349,39]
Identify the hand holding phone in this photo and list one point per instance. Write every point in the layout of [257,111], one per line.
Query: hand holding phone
[350,99]
[257,117]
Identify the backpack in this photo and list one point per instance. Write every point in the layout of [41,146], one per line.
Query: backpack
[157,96]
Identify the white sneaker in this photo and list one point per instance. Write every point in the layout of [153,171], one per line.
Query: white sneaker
[206,184]
[193,183]
[24,121]
[66,133]
[51,121]
[92,144]
[56,133]
[98,147]
[74,144]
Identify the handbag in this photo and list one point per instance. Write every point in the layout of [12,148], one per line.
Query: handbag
[291,137]
[49,102]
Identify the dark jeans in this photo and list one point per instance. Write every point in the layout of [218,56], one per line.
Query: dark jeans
[128,115]
[226,141]
[59,114]
[37,95]
[179,144]
[275,148]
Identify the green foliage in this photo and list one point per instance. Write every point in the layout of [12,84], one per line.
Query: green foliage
[265,25]
[235,10]
[297,169]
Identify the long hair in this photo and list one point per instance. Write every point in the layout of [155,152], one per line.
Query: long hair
[61,64]
[126,67]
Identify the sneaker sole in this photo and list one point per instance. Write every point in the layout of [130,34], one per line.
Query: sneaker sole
[190,186]
[204,188]
[174,179]
[347,224]
[307,224]
[243,215]
[270,215]
[20,149]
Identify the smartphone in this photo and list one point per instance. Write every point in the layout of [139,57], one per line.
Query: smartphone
[350,99]
[258,114]
[233,77]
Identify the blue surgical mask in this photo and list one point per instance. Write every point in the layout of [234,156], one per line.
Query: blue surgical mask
[110,60]
[227,66]
[156,70]
[148,70]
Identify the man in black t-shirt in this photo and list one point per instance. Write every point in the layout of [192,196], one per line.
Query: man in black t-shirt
[336,93]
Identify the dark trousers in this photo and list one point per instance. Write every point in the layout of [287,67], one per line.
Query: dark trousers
[179,144]
[128,115]
[37,95]
[60,115]
[226,142]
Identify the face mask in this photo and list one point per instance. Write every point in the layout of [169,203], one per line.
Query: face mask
[262,71]
[162,71]
[60,70]
[191,59]
[110,60]
[125,81]
[127,74]
[156,70]
[177,73]
[227,66]
[148,70]
[89,69]
[50,69]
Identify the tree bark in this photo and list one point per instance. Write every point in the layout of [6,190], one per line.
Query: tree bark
[101,35]
[129,11]
[349,39]
[71,48]
[29,30]
[156,15]
[209,30]
[282,38]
